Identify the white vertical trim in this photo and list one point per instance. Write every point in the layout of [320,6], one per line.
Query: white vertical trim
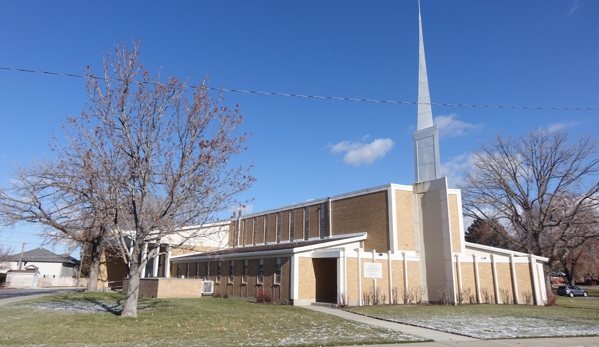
[458,266]
[495,280]
[359,279]
[534,286]
[167,262]
[514,280]
[330,216]
[476,279]
[392,220]
[294,276]
[405,273]
[144,256]
[156,262]
[390,276]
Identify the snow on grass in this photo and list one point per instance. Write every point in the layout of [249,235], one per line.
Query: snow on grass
[493,325]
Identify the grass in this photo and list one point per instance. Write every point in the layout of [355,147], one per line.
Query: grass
[92,319]
[571,317]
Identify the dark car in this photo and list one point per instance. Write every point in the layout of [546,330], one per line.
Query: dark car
[571,291]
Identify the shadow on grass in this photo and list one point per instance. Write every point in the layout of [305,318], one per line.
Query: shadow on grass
[115,309]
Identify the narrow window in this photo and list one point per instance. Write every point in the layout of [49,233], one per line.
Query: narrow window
[187,270]
[266,229]
[231,263]
[291,225]
[207,271]
[322,219]
[245,271]
[198,270]
[218,270]
[278,227]
[260,278]
[178,270]
[306,223]
[278,272]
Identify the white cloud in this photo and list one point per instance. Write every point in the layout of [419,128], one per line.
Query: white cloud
[573,9]
[560,126]
[455,168]
[450,126]
[360,153]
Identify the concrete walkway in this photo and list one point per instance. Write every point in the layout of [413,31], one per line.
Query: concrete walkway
[446,339]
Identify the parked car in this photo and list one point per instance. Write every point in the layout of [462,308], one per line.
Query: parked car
[571,291]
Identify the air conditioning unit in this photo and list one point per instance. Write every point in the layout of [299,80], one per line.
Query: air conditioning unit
[207,287]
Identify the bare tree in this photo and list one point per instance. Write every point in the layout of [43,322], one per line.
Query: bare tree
[64,200]
[542,188]
[163,157]
[5,253]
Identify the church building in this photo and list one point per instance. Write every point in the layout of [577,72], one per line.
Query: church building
[392,243]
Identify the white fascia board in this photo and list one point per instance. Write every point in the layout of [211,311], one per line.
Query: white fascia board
[271,253]
[507,252]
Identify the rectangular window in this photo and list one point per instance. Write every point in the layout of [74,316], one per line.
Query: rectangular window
[245,272]
[322,219]
[207,271]
[231,263]
[178,270]
[218,271]
[278,272]
[197,270]
[260,278]
[266,229]
[306,223]
[187,270]
[278,227]
[291,225]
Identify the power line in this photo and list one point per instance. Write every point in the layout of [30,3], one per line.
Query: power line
[338,98]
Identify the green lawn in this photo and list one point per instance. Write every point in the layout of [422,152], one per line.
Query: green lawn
[91,319]
[571,317]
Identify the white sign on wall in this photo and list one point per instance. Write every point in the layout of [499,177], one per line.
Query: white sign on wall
[373,270]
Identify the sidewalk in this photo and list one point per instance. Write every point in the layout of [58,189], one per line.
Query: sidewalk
[446,339]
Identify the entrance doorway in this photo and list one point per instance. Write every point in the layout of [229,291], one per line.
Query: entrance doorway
[325,273]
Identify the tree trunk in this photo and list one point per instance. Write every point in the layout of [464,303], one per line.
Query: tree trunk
[130,306]
[94,268]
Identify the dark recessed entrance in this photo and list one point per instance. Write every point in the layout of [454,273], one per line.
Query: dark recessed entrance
[325,272]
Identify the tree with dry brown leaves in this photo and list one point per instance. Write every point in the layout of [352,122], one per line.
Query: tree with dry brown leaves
[164,157]
[543,188]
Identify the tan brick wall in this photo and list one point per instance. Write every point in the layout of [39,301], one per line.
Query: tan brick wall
[260,229]
[299,224]
[524,278]
[286,278]
[468,280]
[485,275]
[168,288]
[249,232]
[404,213]
[314,221]
[368,213]
[231,233]
[272,228]
[285,226]
[504,279]
[307,283]
[454,215]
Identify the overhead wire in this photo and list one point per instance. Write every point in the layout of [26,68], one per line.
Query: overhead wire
[338,98]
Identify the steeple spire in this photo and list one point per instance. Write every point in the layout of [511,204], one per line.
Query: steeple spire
[425,114]
[427,166]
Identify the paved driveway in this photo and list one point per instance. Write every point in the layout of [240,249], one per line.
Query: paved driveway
[12,295]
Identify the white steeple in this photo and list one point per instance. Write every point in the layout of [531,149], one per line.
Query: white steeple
[427,166]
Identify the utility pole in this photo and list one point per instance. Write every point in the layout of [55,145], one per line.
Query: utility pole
[22,250]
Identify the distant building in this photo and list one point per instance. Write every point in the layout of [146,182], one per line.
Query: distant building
[48,264]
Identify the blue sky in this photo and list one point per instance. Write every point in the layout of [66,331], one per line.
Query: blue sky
[514,53]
